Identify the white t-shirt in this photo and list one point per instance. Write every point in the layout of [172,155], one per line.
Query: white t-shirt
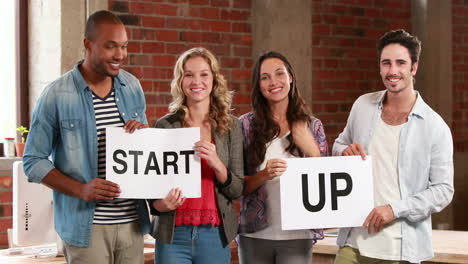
[276,149]
[383,147]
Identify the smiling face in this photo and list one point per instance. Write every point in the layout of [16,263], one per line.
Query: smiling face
[396,68]
[108,49]
[275,80]
[197,82]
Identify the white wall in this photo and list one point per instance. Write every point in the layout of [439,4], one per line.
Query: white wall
[44,45]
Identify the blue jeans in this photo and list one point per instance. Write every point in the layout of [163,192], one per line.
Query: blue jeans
[264,251]
[194,244]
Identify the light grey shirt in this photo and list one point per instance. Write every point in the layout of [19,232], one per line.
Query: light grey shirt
[425,168]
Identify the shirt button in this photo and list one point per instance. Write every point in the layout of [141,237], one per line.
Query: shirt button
[117,99]
[123,114]
[72,125]
[136,114]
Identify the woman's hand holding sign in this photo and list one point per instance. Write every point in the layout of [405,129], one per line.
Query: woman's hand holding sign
[207,150]
[172,201]
[274,168]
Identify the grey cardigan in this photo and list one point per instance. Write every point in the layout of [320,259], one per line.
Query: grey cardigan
[229,149]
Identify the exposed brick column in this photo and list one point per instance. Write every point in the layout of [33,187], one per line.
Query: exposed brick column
[285,26]
[73,20]
[432,23]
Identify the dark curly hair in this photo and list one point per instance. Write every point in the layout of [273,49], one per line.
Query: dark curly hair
[400,36]
[263,127]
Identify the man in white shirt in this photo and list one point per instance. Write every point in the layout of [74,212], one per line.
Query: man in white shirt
[412,153]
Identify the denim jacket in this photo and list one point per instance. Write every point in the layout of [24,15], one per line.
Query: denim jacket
[425,168]
[253,212]
[64,127]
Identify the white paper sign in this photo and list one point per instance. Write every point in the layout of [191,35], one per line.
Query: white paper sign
[151,161]
[326,192]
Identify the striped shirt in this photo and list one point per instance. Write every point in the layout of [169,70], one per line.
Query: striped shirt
[117,211]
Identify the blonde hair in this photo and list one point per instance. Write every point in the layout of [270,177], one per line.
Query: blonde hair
[220,97]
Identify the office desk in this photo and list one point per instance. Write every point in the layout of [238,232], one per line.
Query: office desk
[449,247]
[16,259]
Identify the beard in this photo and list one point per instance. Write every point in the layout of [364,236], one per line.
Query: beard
[100,67]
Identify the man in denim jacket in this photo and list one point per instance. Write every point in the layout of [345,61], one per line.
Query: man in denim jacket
[411,148]
[68,124]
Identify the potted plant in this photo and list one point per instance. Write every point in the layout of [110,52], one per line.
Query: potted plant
[20,145]
[7,144]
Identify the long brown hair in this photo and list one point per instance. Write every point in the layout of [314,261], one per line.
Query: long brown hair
[263,127]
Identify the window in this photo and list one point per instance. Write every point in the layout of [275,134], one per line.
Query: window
[8,71]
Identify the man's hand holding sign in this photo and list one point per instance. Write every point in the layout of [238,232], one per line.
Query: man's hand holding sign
[100,189]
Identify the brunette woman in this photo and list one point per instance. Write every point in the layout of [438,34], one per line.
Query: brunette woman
[280,126]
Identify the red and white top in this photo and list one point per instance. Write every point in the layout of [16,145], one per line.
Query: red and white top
[204,210]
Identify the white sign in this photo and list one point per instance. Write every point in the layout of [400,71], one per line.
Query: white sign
[326,192]
[152,161]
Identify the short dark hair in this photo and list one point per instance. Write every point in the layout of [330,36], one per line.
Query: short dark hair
[400,36]
[97,18]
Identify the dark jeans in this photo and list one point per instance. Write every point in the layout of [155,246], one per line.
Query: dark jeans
[193,244]
[265,251]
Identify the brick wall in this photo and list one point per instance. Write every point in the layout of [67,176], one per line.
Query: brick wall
[5,209]
[345,63]
[159,31]
[460,110]
[344,40]
[6,182]
[460,75]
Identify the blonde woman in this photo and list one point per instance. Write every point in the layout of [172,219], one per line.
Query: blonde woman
[199,230]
